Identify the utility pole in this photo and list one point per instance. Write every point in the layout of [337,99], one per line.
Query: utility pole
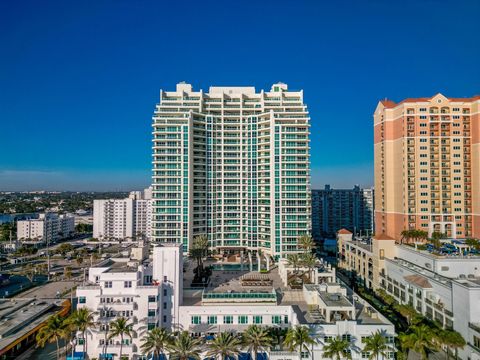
[48,259]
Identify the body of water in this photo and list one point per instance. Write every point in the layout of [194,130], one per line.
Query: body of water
[4,218]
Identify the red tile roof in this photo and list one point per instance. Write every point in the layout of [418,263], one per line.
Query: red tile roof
[383,236]
[344,231]
[389,104]
[418,280]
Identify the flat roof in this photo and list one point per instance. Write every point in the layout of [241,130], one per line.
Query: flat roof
[19,317]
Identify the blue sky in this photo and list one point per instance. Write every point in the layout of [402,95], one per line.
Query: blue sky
[79,79]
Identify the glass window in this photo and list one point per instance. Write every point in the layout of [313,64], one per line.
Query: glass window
[82,300]
[212,319]
[257,319]
[243,319]
[228,319]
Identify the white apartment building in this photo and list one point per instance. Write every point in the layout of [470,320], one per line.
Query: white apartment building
[233,164]
[156,291]
[120,219]
[49,227]
[148,293]
[442,288]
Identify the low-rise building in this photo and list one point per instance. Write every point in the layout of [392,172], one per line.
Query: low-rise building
[49,227]
[364,257]
[157,292]
[20,321]
[446,290]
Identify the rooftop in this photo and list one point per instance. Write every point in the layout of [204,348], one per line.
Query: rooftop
[19,317]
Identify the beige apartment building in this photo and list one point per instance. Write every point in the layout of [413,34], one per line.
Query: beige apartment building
[427,164]
[364,257]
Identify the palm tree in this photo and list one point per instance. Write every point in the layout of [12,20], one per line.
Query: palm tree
[299,339]
[278,336]
[54,330]
[376,345]
[337,349]
[82,320]
[405,235]
[120,327]
[225,345]
[256,338]
[473,243]
[156,341]
[407,311]
[452,340]
[309,261]
[420,339]
[198,251]
[185,347]
[294,261]
[306,243]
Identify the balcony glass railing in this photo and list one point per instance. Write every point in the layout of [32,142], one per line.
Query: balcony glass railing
[243,295]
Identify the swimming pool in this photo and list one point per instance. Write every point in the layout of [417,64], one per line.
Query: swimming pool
[229,267]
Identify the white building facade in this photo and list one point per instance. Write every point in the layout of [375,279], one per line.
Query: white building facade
[120,219]
[49,227]
[150,292]
[233,164]
[441,288]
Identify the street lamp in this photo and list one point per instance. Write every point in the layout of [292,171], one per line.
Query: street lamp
[73,342]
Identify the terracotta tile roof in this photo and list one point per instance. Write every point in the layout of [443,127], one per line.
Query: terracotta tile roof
[383,236]
[344,231]
[418,280]
[389,104]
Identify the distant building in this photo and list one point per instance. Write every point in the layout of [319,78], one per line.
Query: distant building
[335,209]
[49,227]
[115,219]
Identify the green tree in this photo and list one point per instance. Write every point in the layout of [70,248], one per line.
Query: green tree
[376,345]
[299,339]
[79,259]
[278,335]
[306,243]
[405,235]
[120,327]
[29,271]
[225,345]
[54,330]
[294,261]
[452,340]
[185,347]
[83,228]
[64,248]
[473,243]
[337,349]
[198,251]
[407,311]
[67,272]
[82,321]
[156,341]
[420,339]
[256,338]
[309,261]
